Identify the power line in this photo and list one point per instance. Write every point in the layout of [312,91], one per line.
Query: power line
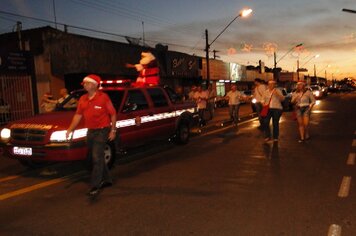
[87,29]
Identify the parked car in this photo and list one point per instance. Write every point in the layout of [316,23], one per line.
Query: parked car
[286,103]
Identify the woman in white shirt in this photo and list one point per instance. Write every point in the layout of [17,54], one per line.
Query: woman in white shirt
[274,98]
[304,101]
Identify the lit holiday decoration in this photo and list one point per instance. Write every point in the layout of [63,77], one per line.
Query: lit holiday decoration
[270,48]
[246,47]
[298,51]
[350,38]
[231,51]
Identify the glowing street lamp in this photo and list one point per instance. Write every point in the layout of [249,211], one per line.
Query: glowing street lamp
[313,57]
[244,13]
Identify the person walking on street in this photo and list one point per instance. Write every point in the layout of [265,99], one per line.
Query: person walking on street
[304,101]
[201,97]
[100,119]
[234,96]
[258,92]
[192,91]
[272,97]
[211,101]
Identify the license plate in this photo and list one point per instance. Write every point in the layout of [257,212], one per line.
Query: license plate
[23,151]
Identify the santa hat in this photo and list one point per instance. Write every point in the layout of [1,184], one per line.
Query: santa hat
[92,79]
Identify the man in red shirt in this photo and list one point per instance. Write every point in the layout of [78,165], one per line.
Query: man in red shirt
[100,119]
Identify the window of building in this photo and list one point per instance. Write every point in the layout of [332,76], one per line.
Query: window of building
[220,89]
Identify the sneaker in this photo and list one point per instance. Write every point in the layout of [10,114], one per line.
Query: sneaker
[275,140]
[267,139]
[93,192]
[301,141]
[105,184]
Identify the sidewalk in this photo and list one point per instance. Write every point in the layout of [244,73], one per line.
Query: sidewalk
[222,118]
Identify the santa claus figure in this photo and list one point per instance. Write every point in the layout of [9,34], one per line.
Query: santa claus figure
[148,70]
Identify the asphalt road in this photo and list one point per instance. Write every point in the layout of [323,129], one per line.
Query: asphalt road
[224,182]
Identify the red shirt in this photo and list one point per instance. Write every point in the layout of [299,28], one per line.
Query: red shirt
[96,111]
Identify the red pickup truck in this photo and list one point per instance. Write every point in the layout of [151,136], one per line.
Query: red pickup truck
[144,114]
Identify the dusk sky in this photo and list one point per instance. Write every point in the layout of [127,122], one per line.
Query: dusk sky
[321,25]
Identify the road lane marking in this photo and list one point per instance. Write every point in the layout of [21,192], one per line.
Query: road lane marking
[11,177]
[334,230]
[354,143]
[38,186]
[345,187]
[227,127]
[351,159]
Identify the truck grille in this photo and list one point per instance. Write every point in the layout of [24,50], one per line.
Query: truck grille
[32,135]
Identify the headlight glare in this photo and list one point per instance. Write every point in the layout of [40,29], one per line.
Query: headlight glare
[60,136]
[5,133]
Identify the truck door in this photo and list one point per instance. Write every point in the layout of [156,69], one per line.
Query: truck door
[164,123]
[133,130]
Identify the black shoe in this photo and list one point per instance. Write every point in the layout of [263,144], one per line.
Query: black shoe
[105,184]
[93,192]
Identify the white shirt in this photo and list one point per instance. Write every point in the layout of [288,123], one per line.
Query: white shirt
[303,99]
[258,92]
[234,97]
[276,101]
[201,99]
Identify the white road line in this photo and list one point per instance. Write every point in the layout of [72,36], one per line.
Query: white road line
[354,143]
[345,187]
[334,230]
[226,127]
[351,159]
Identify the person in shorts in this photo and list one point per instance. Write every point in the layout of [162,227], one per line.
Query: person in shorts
[304,101]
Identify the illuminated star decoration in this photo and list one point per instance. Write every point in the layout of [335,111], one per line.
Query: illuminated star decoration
[350,38]
[246,47]
[298,51]
[270,48]
[231,51]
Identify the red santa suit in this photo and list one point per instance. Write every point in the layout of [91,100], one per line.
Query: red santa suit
[148,69]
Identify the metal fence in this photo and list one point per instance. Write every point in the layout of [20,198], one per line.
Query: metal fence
[16,100]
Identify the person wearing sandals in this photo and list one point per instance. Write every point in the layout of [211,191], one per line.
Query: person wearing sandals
[272,97]
[304,101]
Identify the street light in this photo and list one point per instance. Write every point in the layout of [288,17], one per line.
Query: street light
[243,13]
[349,10]
[275,71]
[316,56]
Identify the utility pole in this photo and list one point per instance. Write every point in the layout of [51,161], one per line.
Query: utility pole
[18,30]
[207,46]
[215,51]
[143,33]
[314,71]
[54,13]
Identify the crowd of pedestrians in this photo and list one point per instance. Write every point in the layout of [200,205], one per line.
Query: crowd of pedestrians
[265,95]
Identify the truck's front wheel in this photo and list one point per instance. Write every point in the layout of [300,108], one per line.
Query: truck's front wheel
[182,133]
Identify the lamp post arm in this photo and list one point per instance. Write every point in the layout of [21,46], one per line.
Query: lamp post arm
[289,52]
[224,29]
[348,10]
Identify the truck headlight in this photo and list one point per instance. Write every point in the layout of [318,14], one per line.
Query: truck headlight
[60,136]
[254,100]
[5,134]
[317,93]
